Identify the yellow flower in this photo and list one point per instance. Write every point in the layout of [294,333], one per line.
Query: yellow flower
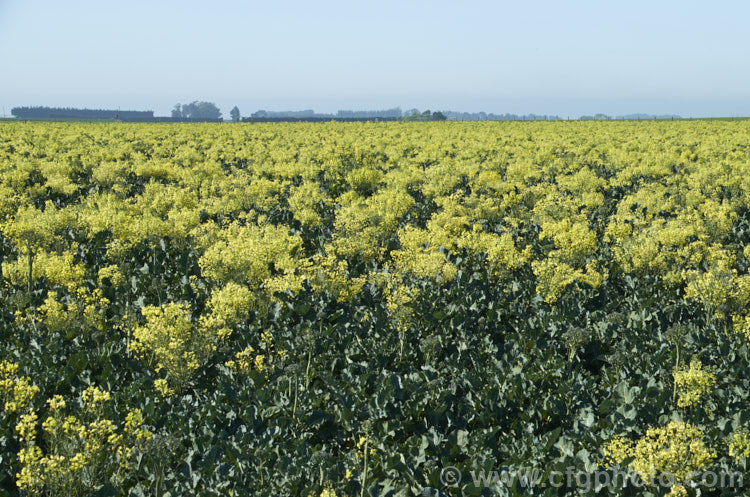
[678,491]
[742,324]
[173,343]
[228,306]
[693,383]
[617,450]
[56,403]
[365,441]
[26,427]
[94,399]
[244,362]
[71,425]
[133,420]
[113,273]
[16,392]
[739,445]
[260,363]
[328,490]
[676,449]
[162,386]
[28,478]
[51,424]
[76,451]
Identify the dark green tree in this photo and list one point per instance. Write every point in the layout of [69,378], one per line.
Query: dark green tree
[197,110]
[235,114]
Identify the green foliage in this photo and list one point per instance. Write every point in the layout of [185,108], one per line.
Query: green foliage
[347,309]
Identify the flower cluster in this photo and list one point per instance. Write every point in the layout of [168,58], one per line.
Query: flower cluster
[249,359]
[78,451]
[173,344]
[16,391]
[328,491]
[676,450]
[739,445]
[677,491]
[693,383]
[228,307]
[244,361]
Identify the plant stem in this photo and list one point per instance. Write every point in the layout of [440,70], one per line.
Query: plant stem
[307,371]
[364,470]
[677,365]
[296,389]
[31,268]
[402,337]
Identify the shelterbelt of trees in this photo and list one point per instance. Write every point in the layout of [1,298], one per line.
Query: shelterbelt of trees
[349,308]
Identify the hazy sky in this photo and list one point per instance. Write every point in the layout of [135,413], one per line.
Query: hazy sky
[568,58]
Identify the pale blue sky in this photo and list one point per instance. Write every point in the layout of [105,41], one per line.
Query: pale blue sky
[568,58]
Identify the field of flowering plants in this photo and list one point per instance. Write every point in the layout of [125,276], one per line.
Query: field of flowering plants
[351,309]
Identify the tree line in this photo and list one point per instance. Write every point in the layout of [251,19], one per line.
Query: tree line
[200,111]
[73,113]
[193,112]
